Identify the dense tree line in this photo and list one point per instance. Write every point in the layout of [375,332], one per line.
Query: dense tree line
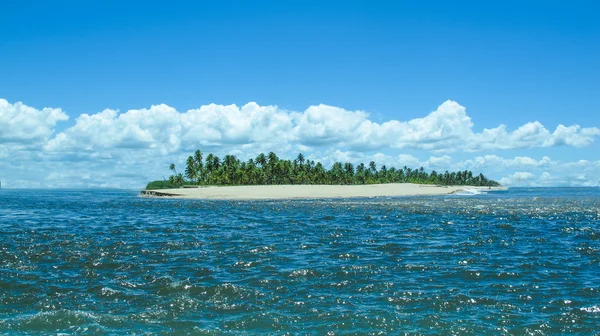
[270,169]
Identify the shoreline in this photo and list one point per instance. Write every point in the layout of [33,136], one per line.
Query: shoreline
[309,191]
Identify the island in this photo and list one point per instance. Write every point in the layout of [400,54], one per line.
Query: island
[269,177]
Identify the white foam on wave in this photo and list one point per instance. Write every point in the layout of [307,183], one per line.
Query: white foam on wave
[469,192]
[592,309]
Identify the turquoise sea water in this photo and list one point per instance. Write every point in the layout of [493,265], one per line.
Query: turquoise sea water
[525,261]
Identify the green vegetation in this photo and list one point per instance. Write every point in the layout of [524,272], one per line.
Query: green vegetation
[270,169]
[160,184]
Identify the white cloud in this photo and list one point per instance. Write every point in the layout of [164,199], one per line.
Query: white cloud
[531,135]
[25,125]
[441,162]
[527,171]
[517,179]
[573,136]
[325,125]
[108,144]
[494,161]
[407,160]
[165,130]
[157,127]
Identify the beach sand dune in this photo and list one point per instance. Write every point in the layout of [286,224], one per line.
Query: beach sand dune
[313,191]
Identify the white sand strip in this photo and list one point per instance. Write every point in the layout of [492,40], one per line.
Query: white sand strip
[313,191]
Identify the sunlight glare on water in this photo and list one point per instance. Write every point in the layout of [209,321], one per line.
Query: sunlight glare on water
[516,262]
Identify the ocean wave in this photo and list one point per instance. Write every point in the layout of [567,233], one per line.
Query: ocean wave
[419,265]
[591,309]
[469,192]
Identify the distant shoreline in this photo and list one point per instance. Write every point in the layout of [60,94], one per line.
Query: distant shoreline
[313,191]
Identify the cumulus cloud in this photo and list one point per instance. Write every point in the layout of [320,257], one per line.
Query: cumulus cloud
[441,129]
[163,129]
[518,178]
[531,135]
[439,162]
[157,127]
[22,124]
[524,171]
[116,141]
[491,161]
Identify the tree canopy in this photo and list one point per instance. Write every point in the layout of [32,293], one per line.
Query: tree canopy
[270,169]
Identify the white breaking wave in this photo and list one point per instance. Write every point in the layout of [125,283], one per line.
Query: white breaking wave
[592,309]
[469,192]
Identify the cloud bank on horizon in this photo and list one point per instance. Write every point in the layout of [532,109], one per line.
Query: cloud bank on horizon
[113,149]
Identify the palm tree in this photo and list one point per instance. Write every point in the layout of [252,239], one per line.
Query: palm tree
[373,168]
[198,158]
[230,167]
[210,168]
[261,159]
[272,158]
[400,175]
[360,173]
[199,165]
[272,166]
[319,176]
[190,170]
[337,173]
[348,172]
[271,169]
[179,179]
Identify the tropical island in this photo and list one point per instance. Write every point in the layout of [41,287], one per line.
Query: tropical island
[268,176]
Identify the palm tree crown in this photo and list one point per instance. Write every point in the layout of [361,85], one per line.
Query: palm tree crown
[270,169]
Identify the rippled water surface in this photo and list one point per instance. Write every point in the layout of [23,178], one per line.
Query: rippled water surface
[109,262]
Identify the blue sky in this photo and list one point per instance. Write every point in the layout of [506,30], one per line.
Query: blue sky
[508,63]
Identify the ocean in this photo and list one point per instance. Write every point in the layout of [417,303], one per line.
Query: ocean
[522,261]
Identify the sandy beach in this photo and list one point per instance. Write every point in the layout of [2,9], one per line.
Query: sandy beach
[314,191]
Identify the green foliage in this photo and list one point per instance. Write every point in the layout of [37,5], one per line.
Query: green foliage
[270,169]
[160,184]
